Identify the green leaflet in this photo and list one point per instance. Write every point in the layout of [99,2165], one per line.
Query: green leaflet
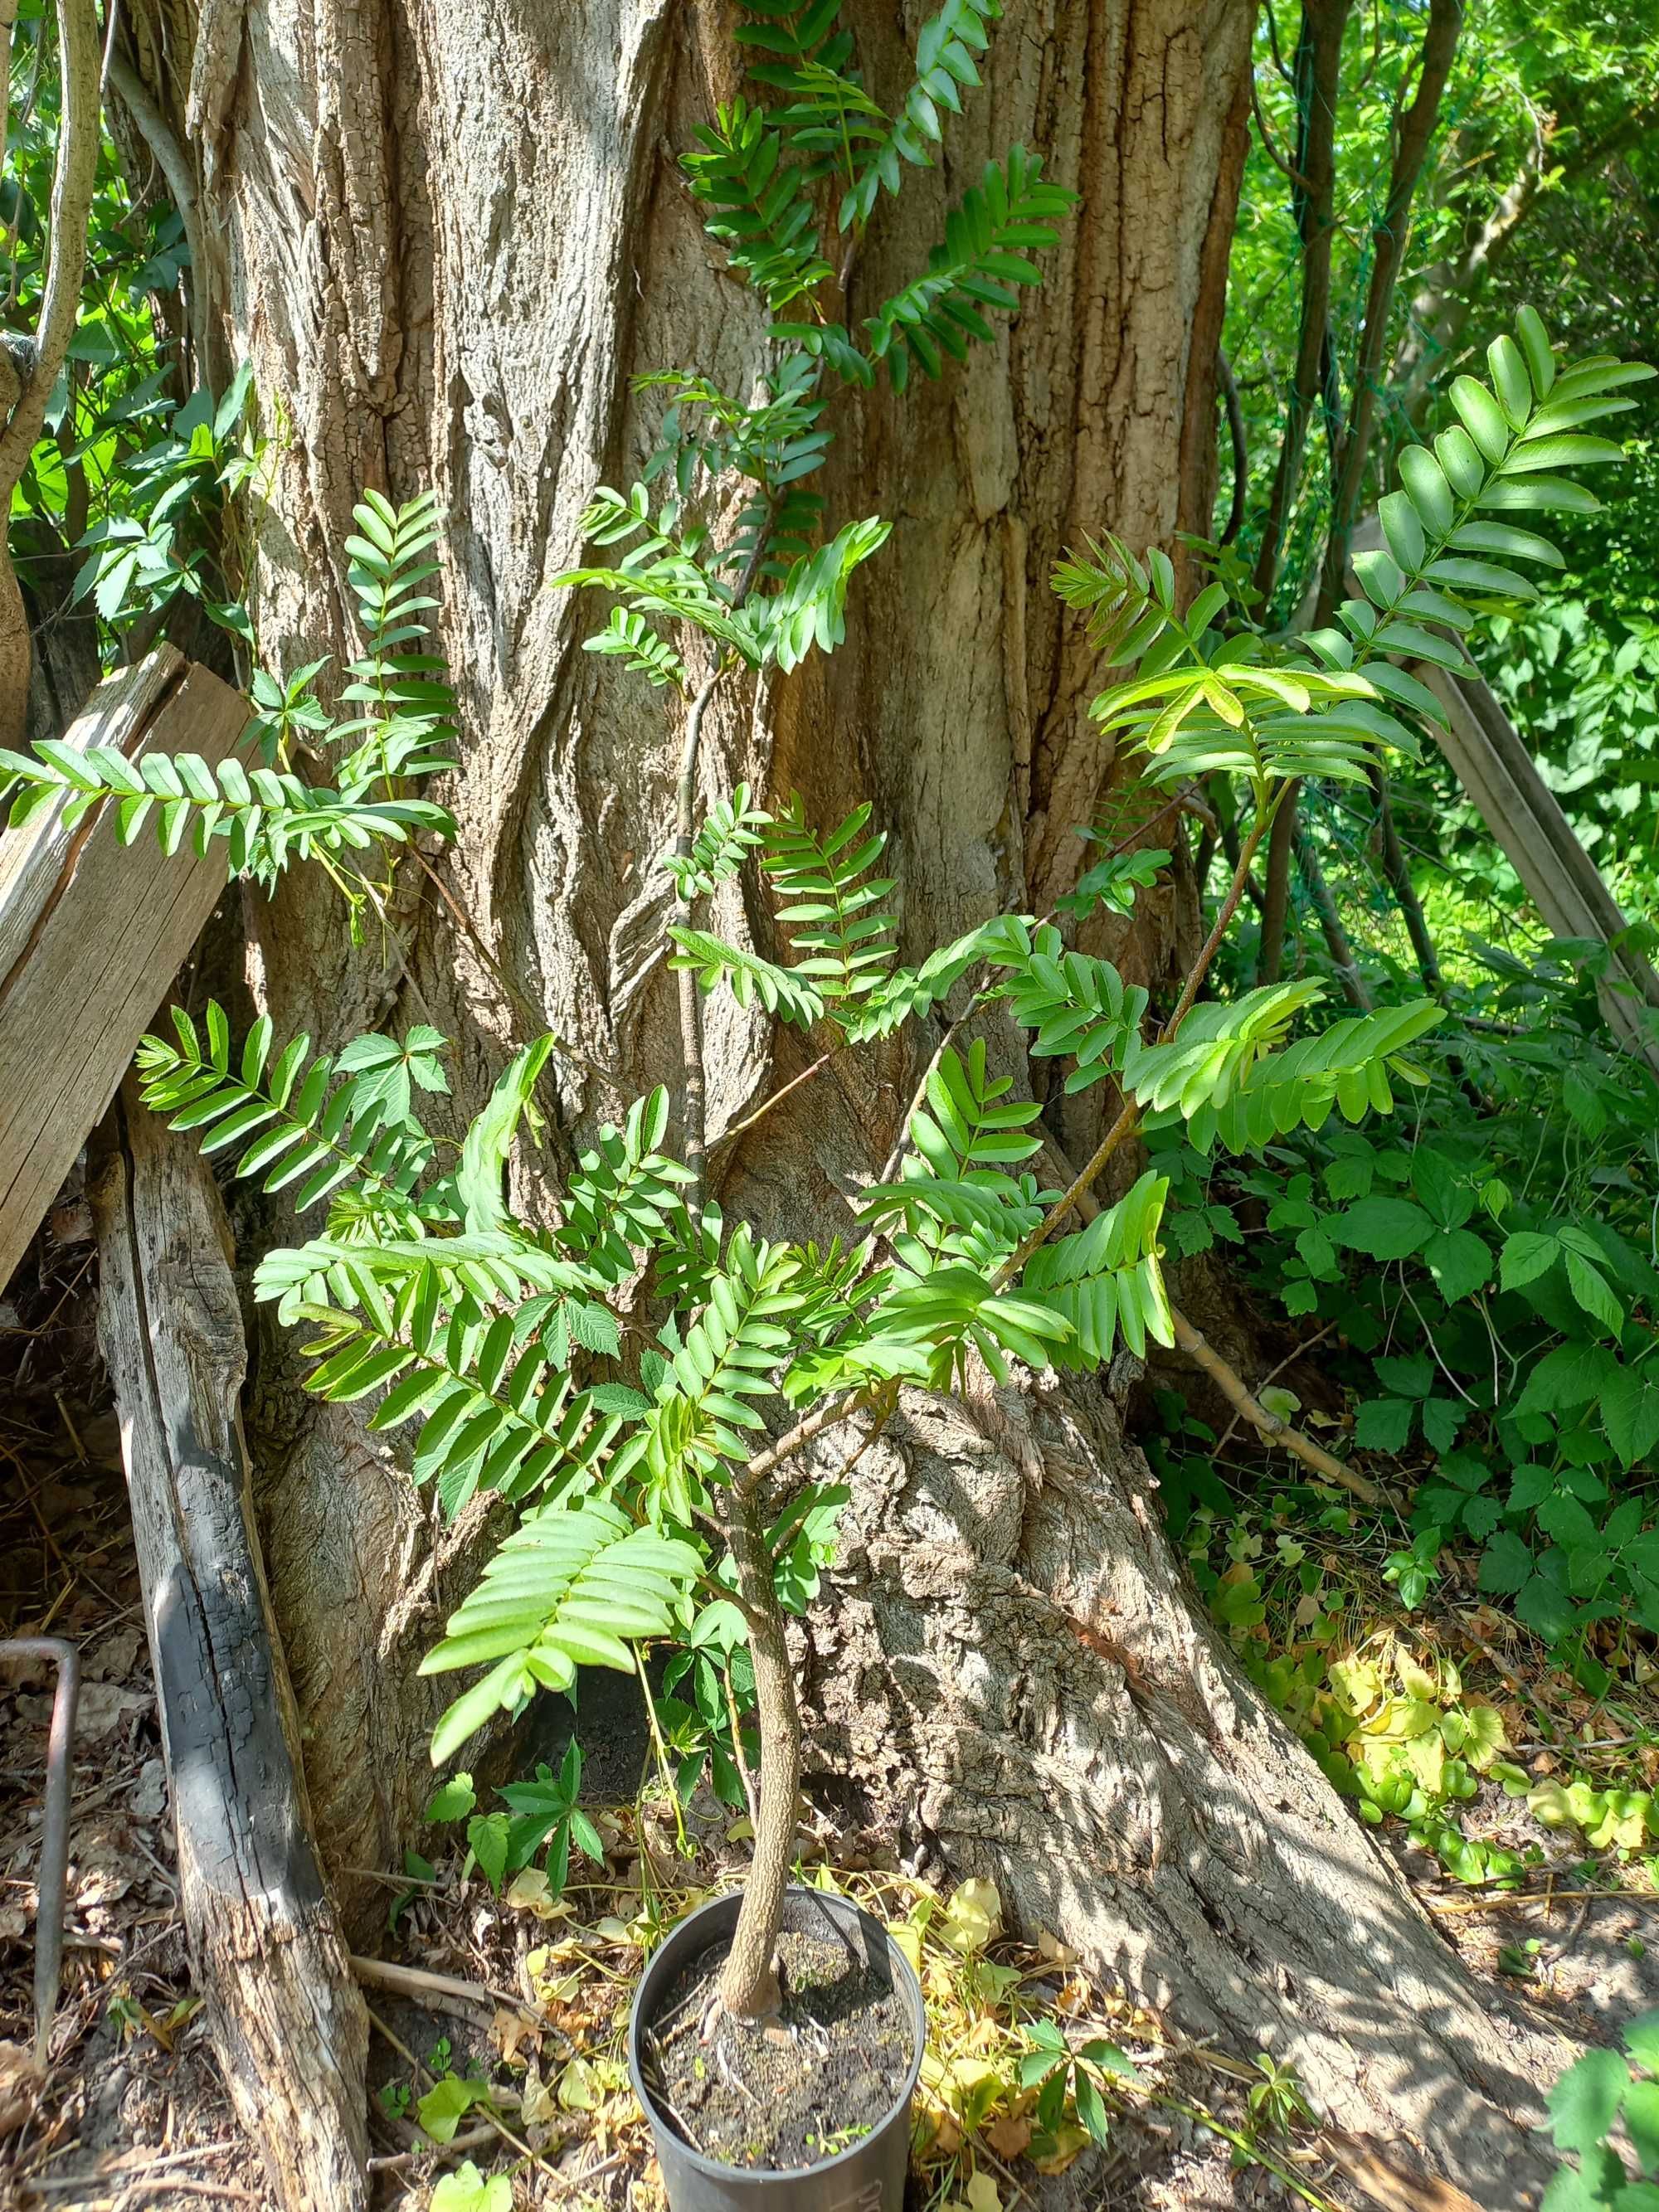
[1320,706]
[1106,1282]
[311,1133]
[571,1587]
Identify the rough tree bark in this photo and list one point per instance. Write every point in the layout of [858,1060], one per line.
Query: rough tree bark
[447,238]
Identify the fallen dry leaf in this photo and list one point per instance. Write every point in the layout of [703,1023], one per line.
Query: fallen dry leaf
[528,1892]
[105,1707]
[19,2085]
[507,2030]
[1009,2135]
[539,2105]
[1395,2186]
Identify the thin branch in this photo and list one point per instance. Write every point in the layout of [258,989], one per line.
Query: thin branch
[1451,291]
[1240,446]
[693,1103]
[1274,1430]
[797,1438]
[1312,198]
[1414,130]
[1125,1124]
[1296,1352]
[1330,921]
[73,181]
[1185,800]
[536,1018]
[736,1129]
[1398,872]
[25,116]
[1389,239]
[169,157]
[500,2128]
[1270,145]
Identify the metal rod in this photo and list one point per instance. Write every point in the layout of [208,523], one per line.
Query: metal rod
[54,1840]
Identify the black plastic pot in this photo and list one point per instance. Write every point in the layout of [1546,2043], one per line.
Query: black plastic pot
[869,2177]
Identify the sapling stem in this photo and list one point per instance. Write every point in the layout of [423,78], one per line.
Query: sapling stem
[692,1104]
[749,1982]
[1125,1124]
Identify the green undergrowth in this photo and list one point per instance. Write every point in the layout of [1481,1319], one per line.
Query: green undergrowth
[1449,1720]
[1464,1299]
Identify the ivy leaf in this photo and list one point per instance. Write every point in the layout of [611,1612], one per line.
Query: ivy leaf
[1440,1183]
[1630,1414]
[1442,1419]
[1532,1483]
[1351,1176]
[1565,1519]
[1526,1254]
[467,2190]
[1590,2191]
[1505,1565]
[1589,1287]
[1091,2108]
[1545,1607]
[446,2104]
[1641,2040]
[1411,1375]
[487,1834]
[453,1800]
[1585,2103]
[1386,1228]
[1384,1423]
[1642,2119]
[1459,1263]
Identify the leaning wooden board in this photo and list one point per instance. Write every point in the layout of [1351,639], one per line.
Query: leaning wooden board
[92,934]
[1491,759]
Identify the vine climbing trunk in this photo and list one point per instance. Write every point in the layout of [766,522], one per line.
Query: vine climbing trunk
[447,240]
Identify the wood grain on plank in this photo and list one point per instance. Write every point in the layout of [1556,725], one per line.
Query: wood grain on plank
[33,860]
[95,933]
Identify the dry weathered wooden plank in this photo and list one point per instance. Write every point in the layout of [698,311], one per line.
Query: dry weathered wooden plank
[287,2018]
[1493,765]
[32,859]
[107,935]
[1490,759]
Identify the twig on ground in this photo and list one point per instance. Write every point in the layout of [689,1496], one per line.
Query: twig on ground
[418,1981]
[1203,1354]
[399,2161]
[1271,1375]
[426,2073]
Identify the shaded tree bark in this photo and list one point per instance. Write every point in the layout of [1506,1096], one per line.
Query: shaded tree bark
[1316,76]
[1414,128]
[447,239]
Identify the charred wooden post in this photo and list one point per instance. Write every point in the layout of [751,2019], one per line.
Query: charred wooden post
[287,2018]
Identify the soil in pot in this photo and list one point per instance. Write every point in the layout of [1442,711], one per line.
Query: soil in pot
[799,2090]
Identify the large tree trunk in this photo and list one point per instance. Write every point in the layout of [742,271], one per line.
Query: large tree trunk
[447,237]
